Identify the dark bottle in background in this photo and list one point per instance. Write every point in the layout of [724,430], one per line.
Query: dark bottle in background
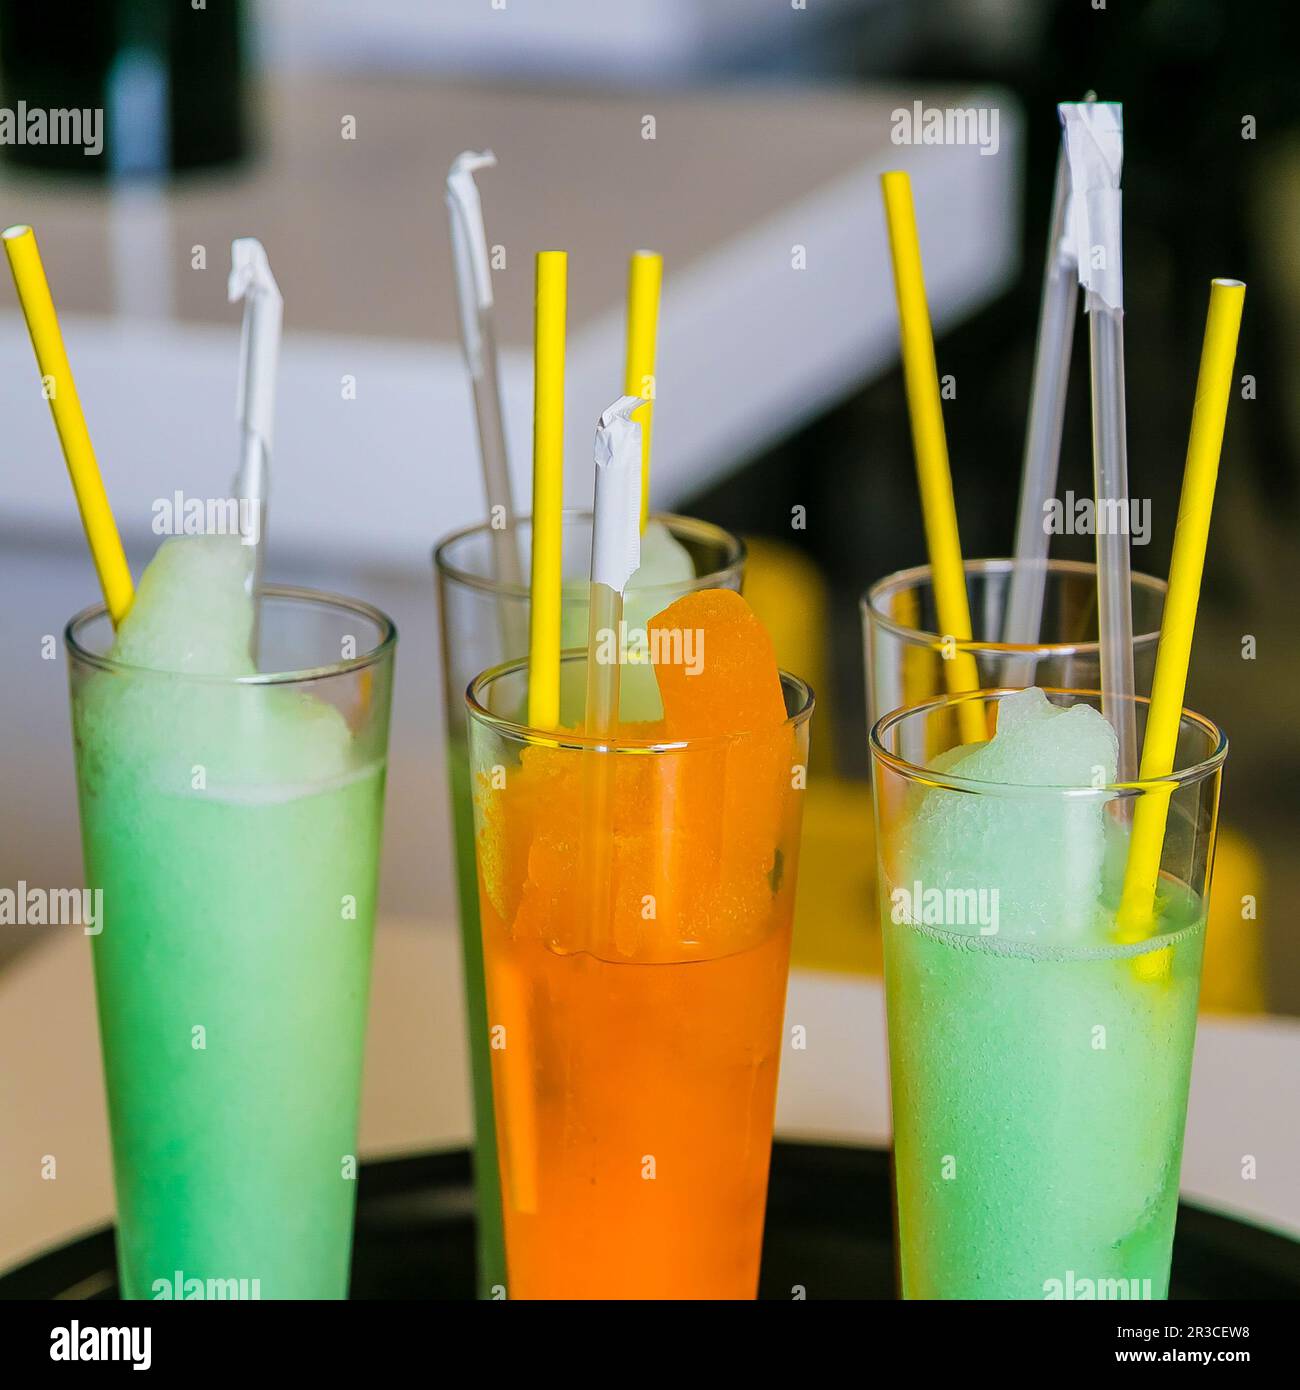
[167,75]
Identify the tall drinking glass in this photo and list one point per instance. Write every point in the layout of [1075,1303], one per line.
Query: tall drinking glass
[905,648]
[485,623]
[1040,1044]
[636,1037]
[233,825]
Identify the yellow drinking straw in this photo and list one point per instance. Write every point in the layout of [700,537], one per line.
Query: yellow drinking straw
[1173,656]
[645,272]
[56,375]
[520,1128]
[929,444]
[548,490]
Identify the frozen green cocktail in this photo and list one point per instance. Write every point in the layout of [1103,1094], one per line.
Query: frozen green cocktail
[1039,1059]
[233,821]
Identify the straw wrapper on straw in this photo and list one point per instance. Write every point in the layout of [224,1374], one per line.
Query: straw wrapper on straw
[478,338]
[615,555]
[1094,147]
[615,551]
[616,540]
[259,360]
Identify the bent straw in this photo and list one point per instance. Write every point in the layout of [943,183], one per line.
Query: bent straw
[1173,656]
[615,551]
[615,556]
[930,445]
[478,338]
[548,490]
[259,360]
[1024,616]
[645,272]
[65,405]
[1094,145]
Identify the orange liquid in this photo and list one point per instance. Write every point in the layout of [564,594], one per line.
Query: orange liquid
[635,1061]
[653,1089]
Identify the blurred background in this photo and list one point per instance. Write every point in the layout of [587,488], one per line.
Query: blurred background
[744,140]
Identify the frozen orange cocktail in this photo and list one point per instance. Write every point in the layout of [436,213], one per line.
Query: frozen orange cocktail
[636,963]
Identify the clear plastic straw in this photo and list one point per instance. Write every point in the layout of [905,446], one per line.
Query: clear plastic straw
[478,338]
[259,360]
[1094,145]
[1110,486]
[615,556]
[1024,614]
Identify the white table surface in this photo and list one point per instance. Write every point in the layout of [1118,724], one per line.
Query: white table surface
[416,1094]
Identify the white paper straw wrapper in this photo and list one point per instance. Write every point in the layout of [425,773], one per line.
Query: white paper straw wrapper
[259,356]
[469,252]
[473,273]
[615,558]
[616,531]
[1094,148]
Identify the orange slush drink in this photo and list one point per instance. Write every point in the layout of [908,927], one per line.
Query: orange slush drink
[636,1024]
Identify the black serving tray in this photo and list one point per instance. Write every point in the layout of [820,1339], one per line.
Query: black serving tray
[829,1233]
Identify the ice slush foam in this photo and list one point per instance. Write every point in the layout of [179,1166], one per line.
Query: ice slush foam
[664,559]
[192,613]
[713,892]
[193,616]
[665,563]
[1043,855]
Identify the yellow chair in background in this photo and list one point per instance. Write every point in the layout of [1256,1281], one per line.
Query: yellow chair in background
[1232,979]
[836,915]
[790,596]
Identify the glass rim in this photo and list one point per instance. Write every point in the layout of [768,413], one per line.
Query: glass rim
[318,598]
[1180,777]
[574,742]
[908,578]
[702,530]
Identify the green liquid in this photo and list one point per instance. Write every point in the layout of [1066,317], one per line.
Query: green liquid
[232,977]
[487,1177]
[1039,1097]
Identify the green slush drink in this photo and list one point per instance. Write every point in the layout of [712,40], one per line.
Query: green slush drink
[233,822]
[1026,1152]
[1039,1063]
